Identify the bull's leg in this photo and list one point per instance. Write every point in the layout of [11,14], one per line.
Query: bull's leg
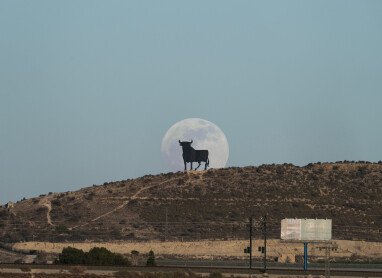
[185,166]
[205,166]
[191,165]
[198,166]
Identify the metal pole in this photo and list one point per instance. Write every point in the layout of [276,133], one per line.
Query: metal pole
[265,241]
[250,242]
[305,256]
[166,226]
[327,260]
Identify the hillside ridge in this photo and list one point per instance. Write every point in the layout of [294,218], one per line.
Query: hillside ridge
[210,204]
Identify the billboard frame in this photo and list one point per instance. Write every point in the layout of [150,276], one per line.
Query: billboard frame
[327,242]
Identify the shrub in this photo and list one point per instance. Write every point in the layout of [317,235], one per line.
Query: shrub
[151,259]
[3,213]
[70,255]
[102,256]
[40,209]
[135,253]
[62,229]
[90,196]
[96,256]
[56,202]
[72,198]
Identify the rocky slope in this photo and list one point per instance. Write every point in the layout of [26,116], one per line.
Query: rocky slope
[213,204]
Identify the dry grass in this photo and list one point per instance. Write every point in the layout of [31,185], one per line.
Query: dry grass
[216,249]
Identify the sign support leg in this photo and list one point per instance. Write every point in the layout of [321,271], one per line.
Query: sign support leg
[305,256]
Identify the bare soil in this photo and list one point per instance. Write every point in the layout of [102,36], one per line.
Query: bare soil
[220,249]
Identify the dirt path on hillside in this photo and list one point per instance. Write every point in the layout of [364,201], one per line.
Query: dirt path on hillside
[133,197]
[46,203]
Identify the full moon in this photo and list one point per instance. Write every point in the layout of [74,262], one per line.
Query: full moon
[205,136]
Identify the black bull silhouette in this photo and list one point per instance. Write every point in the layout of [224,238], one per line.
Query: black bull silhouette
[191,155]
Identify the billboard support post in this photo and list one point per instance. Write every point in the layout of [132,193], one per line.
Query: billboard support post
[305,256]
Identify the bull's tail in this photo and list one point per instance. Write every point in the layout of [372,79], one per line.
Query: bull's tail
[208,161]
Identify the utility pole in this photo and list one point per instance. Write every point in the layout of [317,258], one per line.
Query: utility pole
[248,250]
[250,241]
[327,260]
[264,228]
[166,226]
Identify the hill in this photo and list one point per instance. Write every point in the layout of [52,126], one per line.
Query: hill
[213,204]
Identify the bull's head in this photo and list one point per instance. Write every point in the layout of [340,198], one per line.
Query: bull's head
[185,143]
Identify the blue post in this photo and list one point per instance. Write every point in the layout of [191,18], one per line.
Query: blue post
[305,256]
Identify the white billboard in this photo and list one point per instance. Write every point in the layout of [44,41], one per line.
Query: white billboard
[291,229]
[306,229]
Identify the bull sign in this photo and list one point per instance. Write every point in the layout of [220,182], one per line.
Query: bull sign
[191,155]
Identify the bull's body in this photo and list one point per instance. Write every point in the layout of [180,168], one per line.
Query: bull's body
[191,155]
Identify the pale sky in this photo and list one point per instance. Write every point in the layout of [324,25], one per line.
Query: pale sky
[89,88]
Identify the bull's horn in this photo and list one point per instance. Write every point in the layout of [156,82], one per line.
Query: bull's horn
[192,141]
[179,141]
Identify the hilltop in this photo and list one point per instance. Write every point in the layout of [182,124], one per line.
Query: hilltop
[213,204]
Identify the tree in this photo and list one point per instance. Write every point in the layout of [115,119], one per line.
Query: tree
[70,255]
[96,256]
[99,256]
[151,259]
[102,256]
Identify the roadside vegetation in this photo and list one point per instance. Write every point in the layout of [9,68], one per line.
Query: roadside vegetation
[96,256]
